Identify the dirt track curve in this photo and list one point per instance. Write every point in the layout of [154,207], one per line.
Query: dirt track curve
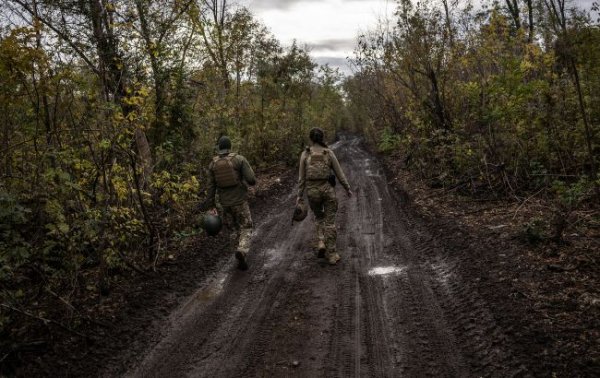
[395,305]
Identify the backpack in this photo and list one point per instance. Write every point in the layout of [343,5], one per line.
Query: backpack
[226,175]
[317,165]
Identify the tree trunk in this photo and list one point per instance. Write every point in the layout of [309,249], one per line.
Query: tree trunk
[438,104]
[513,9]
[556,8]
[158,76]
[530,14]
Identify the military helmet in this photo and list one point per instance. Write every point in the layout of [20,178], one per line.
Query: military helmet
[224,143]
[300,212]
[212,224]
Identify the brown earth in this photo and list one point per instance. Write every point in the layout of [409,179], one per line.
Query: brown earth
[103,328]
[425,287]
[544,294]
[395,305]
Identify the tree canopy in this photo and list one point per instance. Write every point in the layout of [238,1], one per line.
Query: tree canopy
[109,115]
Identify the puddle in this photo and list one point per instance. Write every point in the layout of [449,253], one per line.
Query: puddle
[370,173]
[386,270]
[212,290]
[270,257]
[336,144]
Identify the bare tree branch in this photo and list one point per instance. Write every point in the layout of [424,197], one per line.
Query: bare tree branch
[60,34]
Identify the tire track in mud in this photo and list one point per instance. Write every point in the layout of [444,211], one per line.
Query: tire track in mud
[394,306]
[372,353]
[205,333]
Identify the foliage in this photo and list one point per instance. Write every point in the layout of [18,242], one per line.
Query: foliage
[389,141]
[109,113]
[502,100]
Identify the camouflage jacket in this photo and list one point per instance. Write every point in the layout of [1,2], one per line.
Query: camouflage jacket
[333,164]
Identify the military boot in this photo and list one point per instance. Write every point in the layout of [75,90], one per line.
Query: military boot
[333,258]
[321,249]
[241,258]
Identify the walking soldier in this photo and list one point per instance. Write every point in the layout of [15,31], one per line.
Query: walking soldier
[316,164]
[229,178]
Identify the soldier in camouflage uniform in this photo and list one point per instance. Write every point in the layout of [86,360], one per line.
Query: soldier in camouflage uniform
[230,176]
[316,164]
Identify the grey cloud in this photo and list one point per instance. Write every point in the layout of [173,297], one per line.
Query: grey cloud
[283,4]
[276,4]
[287,4]
[346,44]
[334,62]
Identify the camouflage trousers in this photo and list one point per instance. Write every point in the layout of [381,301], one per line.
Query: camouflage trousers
[239,221]
[323,204]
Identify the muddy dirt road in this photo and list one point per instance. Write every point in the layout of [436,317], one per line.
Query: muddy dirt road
[394,306]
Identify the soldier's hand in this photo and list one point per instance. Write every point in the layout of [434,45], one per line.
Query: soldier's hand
[213,211]
[349,193]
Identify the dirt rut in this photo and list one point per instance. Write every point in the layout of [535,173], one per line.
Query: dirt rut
[394,306]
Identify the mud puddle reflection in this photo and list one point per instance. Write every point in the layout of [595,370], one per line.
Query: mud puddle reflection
[206,294]
[386,270]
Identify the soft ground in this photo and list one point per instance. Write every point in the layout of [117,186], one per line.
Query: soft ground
[430,284]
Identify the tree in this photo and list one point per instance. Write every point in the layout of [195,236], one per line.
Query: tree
[558,20]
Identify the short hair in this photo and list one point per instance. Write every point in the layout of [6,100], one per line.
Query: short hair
[317,135]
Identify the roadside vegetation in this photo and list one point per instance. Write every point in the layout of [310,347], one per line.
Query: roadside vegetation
[109,113]
[110,110]
[489,120]
[496,100]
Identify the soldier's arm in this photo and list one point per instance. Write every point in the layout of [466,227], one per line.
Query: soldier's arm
[209,202]
[302,175]
[335,164]
[248,173]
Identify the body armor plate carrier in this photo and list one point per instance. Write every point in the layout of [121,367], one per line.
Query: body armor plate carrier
[225,174]
[317,166]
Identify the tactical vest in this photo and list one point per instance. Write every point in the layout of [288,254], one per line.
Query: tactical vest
[317,165]
[225,173]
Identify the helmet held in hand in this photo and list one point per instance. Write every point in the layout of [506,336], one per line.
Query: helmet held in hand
[212,224]
[300,212]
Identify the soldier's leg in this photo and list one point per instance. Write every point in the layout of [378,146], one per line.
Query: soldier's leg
[329,229]
[244,223]
[315,200]
[226,214]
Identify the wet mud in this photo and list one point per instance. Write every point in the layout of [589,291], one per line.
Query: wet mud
[395,305]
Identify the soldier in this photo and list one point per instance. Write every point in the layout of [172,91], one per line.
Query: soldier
[230,176]
[316,164]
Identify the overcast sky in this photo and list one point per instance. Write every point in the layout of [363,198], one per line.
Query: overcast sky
[329,27]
